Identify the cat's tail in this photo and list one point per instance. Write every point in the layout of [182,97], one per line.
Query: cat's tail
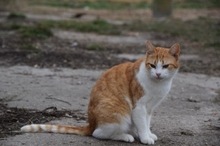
[84,130]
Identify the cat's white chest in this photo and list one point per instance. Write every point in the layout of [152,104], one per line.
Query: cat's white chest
[158,89]
[154,91]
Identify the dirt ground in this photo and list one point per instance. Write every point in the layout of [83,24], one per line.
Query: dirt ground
[190,115]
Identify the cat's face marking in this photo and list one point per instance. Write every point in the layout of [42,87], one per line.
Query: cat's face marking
[160,70]
[162,63]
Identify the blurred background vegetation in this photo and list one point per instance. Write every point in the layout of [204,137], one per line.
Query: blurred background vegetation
[106,4]
[193,23]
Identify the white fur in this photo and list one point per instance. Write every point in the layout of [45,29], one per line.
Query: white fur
[54,128]
[30,128]
[26,128]
[155,90]
[115,131]
[43,127]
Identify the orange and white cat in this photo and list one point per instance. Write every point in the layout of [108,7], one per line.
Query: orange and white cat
[123,99]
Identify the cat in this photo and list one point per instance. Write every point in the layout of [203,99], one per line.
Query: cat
[124,97]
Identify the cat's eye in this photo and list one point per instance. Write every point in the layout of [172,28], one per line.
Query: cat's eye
[166,66]
[152,65]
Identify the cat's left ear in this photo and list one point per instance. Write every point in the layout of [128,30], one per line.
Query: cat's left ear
[175,50]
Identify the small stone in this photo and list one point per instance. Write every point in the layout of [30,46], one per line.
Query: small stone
[191,100]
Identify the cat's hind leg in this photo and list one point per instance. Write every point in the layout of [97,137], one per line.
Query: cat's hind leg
[112,132]
[123,137]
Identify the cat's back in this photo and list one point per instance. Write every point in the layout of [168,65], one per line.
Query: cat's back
[116,79]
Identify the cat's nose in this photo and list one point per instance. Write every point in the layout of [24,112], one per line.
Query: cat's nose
[158,74]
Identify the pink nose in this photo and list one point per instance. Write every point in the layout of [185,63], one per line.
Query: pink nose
[158,74]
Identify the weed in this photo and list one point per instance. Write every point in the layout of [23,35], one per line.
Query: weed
[9,26]
[28,31]
[29,48]
[98,26]
[197,4]
[203,30]
[95,4]
[35,32]
[95,47]
[117,5]
[17,16]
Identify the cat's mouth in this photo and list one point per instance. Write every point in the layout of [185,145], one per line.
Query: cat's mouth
[159,78]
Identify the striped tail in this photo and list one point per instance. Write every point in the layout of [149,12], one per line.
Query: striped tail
[57,129]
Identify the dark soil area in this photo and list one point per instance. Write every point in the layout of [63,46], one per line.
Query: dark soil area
[54,52]
[28,42]
[12,119]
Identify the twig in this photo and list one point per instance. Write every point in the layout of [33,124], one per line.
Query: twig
[58,100]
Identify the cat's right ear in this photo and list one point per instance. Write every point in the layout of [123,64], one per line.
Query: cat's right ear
[150,47]
[175,50]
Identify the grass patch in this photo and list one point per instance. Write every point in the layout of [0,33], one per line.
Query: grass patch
[98,26]
[203,30]
[95,4]
[9,27]
[197,4]
[17,16]
[27,47]
[37,31]
[118,5]
[94,47]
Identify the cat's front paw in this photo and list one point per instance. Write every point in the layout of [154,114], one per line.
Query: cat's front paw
[147,140]
[153,136]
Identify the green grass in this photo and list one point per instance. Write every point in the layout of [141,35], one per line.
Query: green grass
[98,26]
[36,31]
[33,32]
[98,4]
[95,47]
[197,4]
[16,16]
[110,5]
[28,47]
[202,30]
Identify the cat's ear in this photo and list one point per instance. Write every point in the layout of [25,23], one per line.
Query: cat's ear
[175,50]
[150,47]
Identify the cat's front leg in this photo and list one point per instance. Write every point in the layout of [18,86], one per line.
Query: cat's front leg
[153,136]
[148,119]
[142,124]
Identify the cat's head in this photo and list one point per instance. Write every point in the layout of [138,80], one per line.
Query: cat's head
[162,63]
